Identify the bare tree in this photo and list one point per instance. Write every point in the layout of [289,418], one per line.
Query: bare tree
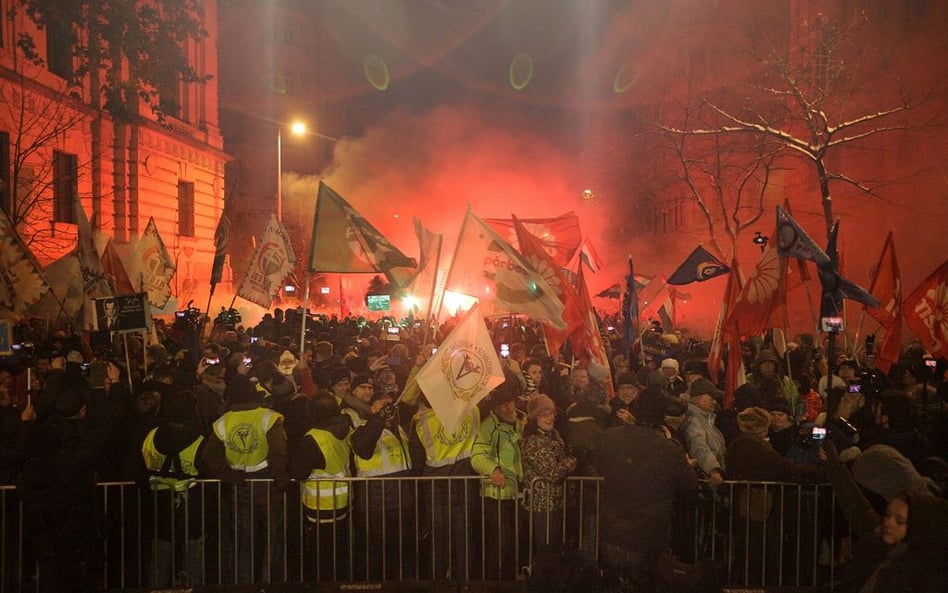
[806,98]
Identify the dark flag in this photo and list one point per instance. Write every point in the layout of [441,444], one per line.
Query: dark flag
[221,238]
[613,292]
[630,309]
[792,240]
[699,266]
[835,286]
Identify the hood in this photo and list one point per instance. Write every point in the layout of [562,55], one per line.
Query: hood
[338,424]
[173,437]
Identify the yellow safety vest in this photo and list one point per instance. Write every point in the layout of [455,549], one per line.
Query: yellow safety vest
[443,449]
[389,456]
[244,433]
[155,461]
[328,495]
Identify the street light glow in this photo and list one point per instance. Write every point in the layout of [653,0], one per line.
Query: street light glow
[298,128]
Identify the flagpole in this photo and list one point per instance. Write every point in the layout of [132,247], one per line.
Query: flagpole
[434,290]
[305,315]
[447,277]
[862,318]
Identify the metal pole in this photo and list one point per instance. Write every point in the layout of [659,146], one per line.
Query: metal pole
[279,192]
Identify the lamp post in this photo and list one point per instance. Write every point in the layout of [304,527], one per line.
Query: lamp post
[297,128]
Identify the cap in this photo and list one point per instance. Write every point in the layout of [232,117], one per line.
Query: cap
[753,420]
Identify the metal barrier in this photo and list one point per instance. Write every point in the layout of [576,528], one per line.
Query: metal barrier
[415,529]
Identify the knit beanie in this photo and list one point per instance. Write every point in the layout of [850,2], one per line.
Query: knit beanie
[754,421]
[539,404]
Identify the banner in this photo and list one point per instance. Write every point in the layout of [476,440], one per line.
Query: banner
[792,240]
[487,268]
[272,261]
[698,267]
[155,266]
[926,312]
[344,241]
[122,313]
[21,283]
[462,372]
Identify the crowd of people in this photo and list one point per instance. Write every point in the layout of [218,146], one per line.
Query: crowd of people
[238,404]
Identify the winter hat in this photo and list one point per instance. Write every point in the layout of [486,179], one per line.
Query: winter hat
[179,405]
[74,356]
[337,375]
[242,389]
[695,367]
[361,379]
[539,404]
[779,404]
[287,363]
[651,406]
[754,421]
[670,363]
[506,392]
[887,472]
[704,386]
[628,378]
[766,355]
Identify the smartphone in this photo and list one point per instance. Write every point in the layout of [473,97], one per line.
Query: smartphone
[855,388]
[393,330]
[212,361]
[505,350]
[434,349]
[931,362]
[247,361]
[819,433]
[253,339]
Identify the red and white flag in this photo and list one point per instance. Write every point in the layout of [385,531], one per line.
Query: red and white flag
[462,372]
[732,291]
[587,341]
[762,302]
[926,311]
[272,261]
[155,267]
[560,236]
[887,287]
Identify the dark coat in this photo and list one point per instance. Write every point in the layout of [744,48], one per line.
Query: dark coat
[749,457]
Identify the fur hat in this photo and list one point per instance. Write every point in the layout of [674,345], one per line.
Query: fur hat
[539,404]
[651,406]
[754,421]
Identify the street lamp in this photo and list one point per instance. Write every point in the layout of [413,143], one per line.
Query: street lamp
[297,128]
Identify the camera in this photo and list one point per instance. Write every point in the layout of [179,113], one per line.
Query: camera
[210,361]
[818,433]
[387,411]
[931,363]
[228,319]
[832,324]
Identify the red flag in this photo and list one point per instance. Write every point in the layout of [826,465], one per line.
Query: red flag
[926,311]
[587,340]
[887,287]
[762,303]
[573,311]
[731,293]
[560,236]
[115,270]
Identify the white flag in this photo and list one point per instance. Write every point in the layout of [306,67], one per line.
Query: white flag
[272,262]
[155,266]
[462,372]
[487,268]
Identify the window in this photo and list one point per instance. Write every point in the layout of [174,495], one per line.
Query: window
[59,42]
[6,182]
[186,208]
[65,186]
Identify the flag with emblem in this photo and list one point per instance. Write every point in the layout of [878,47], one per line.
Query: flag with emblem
[887,287]
[462,372]
[792,240]
[926,312]
[21,283]
[560,236]
[155,266]
[344,241]
[272,261]
[701,265]
[762,302]
[487,268]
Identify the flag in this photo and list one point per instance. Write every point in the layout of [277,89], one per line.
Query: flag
[698,267]
[344,241]
[835,286]
[630,310]
[797,271]
[587,342]
[95,282]
[536,256]
[589,256]
[21,282]
[487,268]
[792,240]
[272,261]
[155,266]
[613,292]
[221,239]
[887,287]
[561,236]
[761,304]
[926,312]
[65,296]
[462,372]
[115,270]
[420,282]
[732,290]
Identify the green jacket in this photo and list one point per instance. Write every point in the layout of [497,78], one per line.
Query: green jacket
[498,445]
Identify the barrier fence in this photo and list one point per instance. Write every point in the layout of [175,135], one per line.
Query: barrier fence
[751,534]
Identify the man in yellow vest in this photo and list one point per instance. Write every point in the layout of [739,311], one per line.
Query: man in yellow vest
[171,453]
[322,463]
[381,451]
[248,451]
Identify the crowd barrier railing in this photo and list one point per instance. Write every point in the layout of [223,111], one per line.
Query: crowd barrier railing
[415,529]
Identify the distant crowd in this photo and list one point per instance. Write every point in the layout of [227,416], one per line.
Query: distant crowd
[230,402]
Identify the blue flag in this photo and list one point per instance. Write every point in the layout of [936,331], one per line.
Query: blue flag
[699,266]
